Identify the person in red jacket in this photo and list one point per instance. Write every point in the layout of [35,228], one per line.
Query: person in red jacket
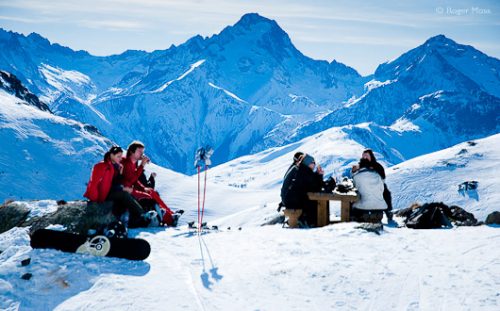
[132,171]
[105,184]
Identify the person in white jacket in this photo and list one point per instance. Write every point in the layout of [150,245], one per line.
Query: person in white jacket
[371,204]
[369,161]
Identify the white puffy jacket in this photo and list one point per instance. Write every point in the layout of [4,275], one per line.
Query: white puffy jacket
[371,190]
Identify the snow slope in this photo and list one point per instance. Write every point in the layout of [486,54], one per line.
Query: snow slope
[264,268]
[43,155]
[435,177]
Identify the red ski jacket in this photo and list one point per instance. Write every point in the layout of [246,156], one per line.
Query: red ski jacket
[100,182]
[131,175]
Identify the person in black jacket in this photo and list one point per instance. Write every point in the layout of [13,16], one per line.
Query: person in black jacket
[299,180]
[369,161]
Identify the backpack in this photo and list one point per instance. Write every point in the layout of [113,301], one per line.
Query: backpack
[429,216]
[329,185]
[289,185]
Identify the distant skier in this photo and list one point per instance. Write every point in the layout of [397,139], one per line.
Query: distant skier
[132,170]
[105,184]
[300,179]
[369,162]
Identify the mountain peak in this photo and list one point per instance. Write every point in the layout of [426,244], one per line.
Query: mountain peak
[440,40]
[253,18]
[254,21]
[256,31]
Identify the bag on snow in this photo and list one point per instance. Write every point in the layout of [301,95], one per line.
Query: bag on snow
[429,216]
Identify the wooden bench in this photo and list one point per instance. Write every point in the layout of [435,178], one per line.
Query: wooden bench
[323,201]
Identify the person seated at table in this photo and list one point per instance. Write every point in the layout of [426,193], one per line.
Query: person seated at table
[300,179]
[369,161]
[371,204]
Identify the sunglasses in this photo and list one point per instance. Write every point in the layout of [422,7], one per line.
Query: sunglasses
[115,149]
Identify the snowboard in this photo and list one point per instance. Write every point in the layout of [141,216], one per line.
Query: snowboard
[98,245]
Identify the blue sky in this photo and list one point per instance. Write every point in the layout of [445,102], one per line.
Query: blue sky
[361,34]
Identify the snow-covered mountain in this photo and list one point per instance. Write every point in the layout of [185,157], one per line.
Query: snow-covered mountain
[430,98]
[43,155]
[241,91]
[248,88]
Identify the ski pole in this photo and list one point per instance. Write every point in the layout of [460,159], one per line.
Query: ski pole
[204,193]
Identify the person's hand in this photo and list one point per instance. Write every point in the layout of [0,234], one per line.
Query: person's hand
[153,174]
[120,168]
[127,189]
[320,170]
[355,168]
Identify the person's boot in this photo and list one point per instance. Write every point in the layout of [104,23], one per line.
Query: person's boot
[175,218]
[389,215]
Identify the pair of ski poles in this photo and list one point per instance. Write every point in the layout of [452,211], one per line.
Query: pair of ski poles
[200,215]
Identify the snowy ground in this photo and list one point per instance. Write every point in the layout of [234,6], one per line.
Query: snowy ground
[266,268]
[337,267]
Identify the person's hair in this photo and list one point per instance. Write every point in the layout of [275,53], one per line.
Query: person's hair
[372,156]
[296,156]
[113,150]
[133,147]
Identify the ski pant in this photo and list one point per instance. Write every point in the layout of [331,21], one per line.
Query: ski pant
[123,202]
[154,196]
[309,213]
[359,215]
[388,200]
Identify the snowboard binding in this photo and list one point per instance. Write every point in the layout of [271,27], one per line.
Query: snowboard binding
[97,246]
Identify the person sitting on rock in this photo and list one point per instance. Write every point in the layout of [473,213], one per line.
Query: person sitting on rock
[147,196]
[105,185]
[299,180]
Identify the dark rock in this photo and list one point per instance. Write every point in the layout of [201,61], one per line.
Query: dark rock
[12,85]
[25,262]
[461,217]
[12,215]
[76,216]
[27,276]
[493,218]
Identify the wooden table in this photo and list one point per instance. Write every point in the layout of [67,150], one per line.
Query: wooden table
[324,199]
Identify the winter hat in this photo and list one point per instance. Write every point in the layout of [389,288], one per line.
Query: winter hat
[308,160]
[296,156]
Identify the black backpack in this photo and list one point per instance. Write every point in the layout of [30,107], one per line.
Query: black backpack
[429,216]
[287,190]
[329,185]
